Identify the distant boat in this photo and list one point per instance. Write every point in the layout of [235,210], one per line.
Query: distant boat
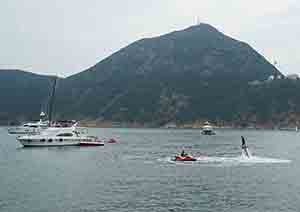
[289,128]
[170,125]
[207,129]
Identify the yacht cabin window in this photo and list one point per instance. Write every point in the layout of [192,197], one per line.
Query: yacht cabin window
[65,134]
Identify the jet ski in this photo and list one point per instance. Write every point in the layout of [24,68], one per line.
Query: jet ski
[184,158]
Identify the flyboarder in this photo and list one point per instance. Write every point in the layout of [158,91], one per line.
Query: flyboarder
[244,147]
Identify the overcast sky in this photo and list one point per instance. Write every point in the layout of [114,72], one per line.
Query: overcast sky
[66,36]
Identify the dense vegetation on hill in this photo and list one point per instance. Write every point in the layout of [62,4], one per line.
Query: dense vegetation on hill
[22,95]
[184,75]
[194,74]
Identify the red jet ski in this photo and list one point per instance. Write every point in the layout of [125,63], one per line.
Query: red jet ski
[185,158]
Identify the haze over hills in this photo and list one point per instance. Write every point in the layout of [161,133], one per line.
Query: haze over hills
[194,74]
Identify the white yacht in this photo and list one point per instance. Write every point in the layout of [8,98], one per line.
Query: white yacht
[207,129]
[53,136]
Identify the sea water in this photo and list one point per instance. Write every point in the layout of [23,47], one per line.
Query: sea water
[138,174]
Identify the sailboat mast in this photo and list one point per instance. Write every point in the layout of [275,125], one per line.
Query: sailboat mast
[51,102]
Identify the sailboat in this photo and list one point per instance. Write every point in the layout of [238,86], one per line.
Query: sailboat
[55,135]
[34,128]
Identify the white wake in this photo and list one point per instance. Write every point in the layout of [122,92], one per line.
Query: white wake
[242,159]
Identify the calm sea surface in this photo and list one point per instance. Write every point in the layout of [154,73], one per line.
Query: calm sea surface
[137,173]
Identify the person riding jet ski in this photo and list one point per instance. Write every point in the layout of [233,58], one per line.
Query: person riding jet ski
[244,147]
[184,157]
[183,154]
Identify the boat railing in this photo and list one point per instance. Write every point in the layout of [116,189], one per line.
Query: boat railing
[82,130]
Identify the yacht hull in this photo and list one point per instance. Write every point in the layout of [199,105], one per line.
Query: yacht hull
[92,143]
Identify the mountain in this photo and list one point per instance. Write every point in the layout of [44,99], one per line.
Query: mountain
[196,73]
[185,76]
[22,95]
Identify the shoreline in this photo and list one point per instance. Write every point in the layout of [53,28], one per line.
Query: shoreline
[197,125]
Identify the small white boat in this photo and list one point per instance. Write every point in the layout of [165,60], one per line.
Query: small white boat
[289,128]
[30,128]
[207,129]
[54,137]
[34,128]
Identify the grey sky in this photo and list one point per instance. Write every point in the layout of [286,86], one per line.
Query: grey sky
[65,36]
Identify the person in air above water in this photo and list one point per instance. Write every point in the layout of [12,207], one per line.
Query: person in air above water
[244,147]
